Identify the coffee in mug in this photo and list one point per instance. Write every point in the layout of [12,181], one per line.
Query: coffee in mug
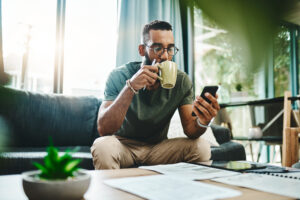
[168,74]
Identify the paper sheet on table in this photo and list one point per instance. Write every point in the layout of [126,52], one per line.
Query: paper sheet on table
[190,171]
[162,187]
[11,187]
[266,183]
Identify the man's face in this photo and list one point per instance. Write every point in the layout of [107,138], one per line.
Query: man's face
[158,38]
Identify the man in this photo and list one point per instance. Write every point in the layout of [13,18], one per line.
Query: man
[135,115]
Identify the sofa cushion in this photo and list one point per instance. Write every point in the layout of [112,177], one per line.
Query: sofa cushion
[18,160]
[33,117]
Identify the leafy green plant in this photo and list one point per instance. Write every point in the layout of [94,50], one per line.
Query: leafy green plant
[238,87]
[57,167]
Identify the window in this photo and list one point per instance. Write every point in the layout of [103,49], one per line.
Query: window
[29,43]
[282,61]
[90,46]
[219,63]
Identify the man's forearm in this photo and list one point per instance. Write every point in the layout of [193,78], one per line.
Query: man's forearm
[111,118]
[189,123]
[193,130]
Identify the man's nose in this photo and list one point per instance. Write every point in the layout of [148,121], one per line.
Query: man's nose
[165,55]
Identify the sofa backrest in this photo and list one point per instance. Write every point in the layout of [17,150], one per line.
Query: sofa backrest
[33,117]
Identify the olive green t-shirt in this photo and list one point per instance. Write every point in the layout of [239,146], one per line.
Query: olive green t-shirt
[149,114]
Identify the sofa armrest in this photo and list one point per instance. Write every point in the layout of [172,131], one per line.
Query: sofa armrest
[228,151]
[221,133]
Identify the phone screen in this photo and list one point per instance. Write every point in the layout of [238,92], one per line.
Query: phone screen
[237,165]
[210,89]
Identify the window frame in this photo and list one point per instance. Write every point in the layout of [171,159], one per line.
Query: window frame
[59,48]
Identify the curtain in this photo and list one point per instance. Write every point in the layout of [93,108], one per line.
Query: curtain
[187,19]
[3,75]
[134,14]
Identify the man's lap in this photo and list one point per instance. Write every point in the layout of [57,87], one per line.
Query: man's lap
[167,151]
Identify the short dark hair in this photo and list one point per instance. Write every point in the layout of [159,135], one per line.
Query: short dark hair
[155,25]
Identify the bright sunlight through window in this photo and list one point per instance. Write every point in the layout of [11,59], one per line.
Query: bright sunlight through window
[90,45]
[29,43]
[29,39]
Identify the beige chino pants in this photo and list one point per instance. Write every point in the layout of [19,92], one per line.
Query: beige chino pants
[114,152]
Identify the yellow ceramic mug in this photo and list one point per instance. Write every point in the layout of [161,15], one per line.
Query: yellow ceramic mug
[168,74]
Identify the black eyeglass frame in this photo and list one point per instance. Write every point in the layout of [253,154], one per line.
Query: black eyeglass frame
[175,50]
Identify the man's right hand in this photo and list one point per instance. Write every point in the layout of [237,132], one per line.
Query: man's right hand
[146,76]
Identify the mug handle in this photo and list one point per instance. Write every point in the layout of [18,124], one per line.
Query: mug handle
[159,77]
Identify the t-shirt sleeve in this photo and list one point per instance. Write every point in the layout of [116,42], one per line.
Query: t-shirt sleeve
[111,90]
[188,94]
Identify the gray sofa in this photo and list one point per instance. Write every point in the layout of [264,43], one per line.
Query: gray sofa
[32,118]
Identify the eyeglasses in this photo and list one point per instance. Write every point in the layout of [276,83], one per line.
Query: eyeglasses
[159,50]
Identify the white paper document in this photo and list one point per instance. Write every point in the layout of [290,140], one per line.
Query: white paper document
[266,183]
[190,171]
[11,187]
[291,175]
[162,187]
[295,175]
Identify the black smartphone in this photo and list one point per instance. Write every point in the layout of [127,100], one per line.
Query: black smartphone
[210,89]
[237,165]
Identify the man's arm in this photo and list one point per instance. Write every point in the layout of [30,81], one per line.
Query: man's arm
[208,111]
[112,113]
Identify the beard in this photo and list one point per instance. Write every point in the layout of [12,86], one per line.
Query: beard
[146,59]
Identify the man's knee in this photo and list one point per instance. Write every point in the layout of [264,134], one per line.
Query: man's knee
[105,151]
[204,149]
[199,151]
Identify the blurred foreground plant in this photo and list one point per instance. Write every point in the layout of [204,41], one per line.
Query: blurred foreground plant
[252,24]
[58,167]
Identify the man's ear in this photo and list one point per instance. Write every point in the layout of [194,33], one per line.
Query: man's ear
[142,50]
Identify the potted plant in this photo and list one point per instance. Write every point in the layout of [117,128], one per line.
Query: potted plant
[58,178]
[239,95]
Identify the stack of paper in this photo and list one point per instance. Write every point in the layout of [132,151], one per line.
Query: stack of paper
[162,187]
[266,183]
[190,171]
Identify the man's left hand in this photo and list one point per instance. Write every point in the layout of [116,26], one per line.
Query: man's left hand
[206,111]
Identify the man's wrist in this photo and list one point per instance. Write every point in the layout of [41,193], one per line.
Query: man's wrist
[203,125]
[131,88]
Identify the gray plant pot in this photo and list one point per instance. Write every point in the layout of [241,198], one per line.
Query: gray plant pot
[72,188]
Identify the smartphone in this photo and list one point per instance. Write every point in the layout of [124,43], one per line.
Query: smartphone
[237,165]
[210,89]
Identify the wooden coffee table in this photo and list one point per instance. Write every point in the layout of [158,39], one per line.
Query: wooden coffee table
[11,187]
[98,190]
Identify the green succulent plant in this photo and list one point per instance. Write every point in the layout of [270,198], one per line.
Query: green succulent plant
[57,167]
